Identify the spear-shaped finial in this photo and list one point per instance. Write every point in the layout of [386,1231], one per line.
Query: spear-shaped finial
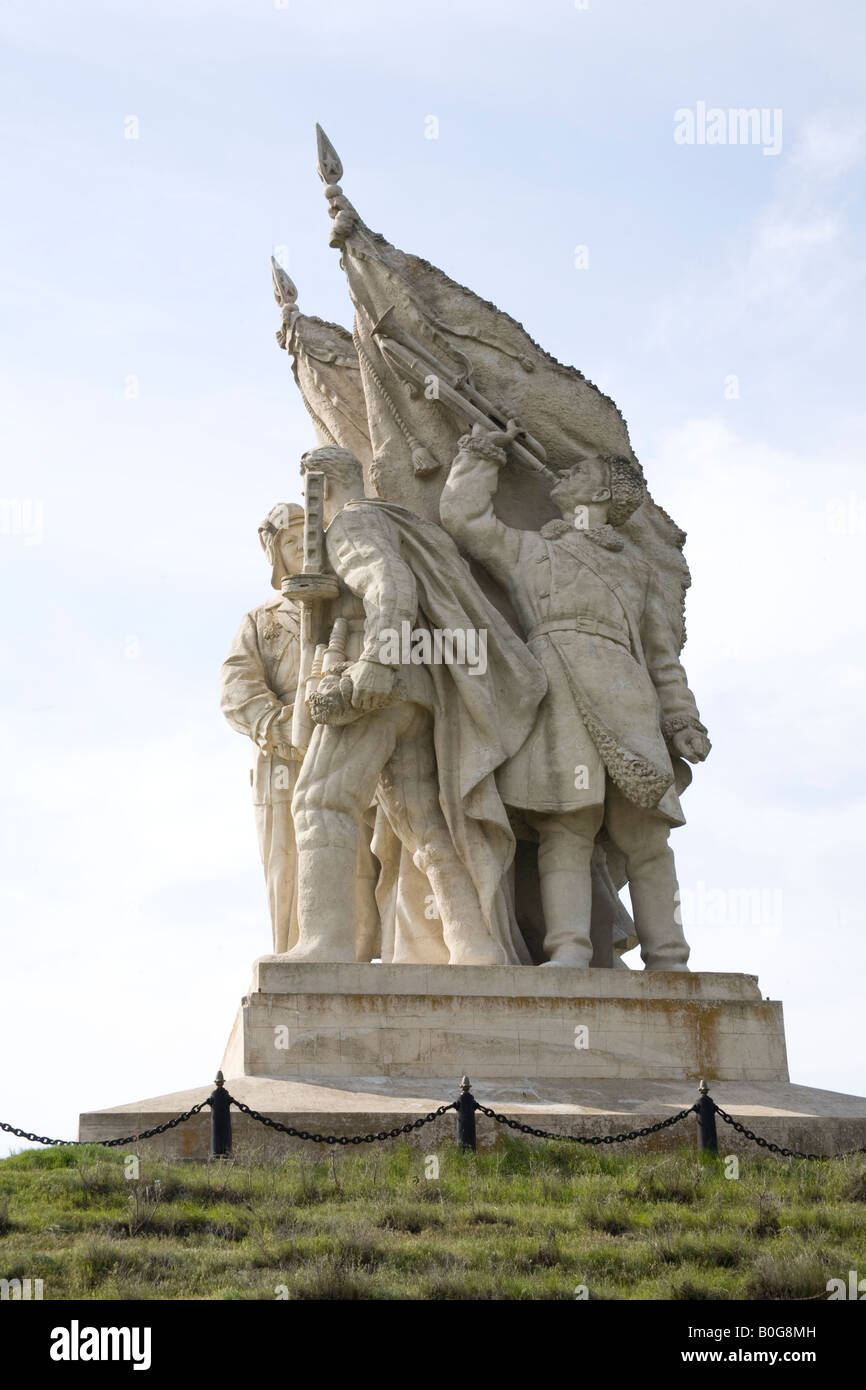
[286,295]
[329,165]
[285,291]
[343,216]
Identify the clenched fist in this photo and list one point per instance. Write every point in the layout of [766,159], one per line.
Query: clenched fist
[691,744]
[372,684]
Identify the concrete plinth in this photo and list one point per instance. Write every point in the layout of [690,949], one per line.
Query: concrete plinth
[307,1021]
[352,1049]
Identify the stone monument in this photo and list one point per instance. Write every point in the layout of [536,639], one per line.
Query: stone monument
[472,730]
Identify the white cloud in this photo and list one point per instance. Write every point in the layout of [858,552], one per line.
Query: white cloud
[782,280]
[829,146]
[133,905]
[777,630]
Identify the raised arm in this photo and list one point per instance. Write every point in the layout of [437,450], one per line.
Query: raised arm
[466,504]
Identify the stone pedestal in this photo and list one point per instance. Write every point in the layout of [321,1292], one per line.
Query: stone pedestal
[349,1049]
[503,1023]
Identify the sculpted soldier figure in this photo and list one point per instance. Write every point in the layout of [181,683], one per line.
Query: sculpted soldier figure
[378,725]
[618,706]
[257,691]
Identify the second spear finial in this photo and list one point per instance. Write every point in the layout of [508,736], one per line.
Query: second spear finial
[329,165]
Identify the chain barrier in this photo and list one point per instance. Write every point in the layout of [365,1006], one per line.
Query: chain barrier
[246,1110]
[108,1143]
[342,1138]
[583,1138]
[777,1148]
[383,1134]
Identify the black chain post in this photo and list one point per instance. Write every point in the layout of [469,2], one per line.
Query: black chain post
[706,1108]
[220,1103]
[466,1107]
[221,1136]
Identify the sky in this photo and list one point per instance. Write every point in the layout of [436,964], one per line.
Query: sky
[155,156]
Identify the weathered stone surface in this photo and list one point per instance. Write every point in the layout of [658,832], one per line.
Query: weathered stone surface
[373,1046]
[307,1021]
[276,975]
[799,1117]
[529,772]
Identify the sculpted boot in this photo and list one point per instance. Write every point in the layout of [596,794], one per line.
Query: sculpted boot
[326,905]
[654,893]
[368,927]
[566,898]
[565,877]
[467,938]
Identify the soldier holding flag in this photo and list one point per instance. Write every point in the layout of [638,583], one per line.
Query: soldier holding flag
[618,707]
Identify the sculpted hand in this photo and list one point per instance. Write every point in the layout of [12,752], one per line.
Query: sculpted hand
[500,438]
[691,744]
[372,684]
[280,733]
[343,214]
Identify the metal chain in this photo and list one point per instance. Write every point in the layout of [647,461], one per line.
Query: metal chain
[407,1128]
[342,1138]
[586,1139]
[777,1148]
[108,1143]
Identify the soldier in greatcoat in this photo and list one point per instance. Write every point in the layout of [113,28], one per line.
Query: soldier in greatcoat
[618,713]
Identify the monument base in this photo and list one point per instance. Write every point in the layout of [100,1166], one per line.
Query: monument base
[795,1117]
[354,1049]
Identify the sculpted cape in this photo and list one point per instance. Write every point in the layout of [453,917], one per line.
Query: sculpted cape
[479,722]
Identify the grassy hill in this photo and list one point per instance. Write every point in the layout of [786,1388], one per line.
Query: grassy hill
[531,1220]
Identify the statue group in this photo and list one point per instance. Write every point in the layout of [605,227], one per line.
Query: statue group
[471,721]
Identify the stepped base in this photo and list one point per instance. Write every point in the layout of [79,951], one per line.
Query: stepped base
[354,1049]
[311,1021]
[796,1117]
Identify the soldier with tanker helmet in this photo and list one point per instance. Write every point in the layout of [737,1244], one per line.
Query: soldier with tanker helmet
[258,689]
[258,680]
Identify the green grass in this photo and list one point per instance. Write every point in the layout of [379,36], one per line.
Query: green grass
[530,1220]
